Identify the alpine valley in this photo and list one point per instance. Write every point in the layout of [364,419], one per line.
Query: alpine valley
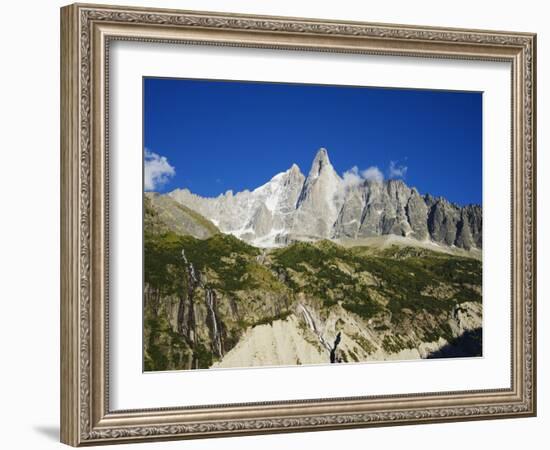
[308,270]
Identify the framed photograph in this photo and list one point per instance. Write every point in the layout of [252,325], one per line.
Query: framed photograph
[275,224]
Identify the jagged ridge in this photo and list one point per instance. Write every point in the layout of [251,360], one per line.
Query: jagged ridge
[292,207]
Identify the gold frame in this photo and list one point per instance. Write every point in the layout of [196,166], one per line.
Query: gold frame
[86,31]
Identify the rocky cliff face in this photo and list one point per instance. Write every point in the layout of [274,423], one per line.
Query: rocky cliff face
[380,208]
[452,225]
[317,206]
[292,207]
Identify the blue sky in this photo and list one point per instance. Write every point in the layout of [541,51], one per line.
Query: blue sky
[212,136]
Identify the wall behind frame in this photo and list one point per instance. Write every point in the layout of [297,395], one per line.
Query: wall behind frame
[29,229]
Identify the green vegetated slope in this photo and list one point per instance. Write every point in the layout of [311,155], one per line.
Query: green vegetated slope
[161,213]
[199,304]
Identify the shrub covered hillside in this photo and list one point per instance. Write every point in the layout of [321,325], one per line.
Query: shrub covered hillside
[204,299]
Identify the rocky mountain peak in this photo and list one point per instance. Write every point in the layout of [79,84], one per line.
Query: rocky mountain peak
[317,206]
[397,182]
[295,171]
[320,163]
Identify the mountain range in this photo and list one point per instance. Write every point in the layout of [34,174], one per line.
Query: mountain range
[293,207]
[309,269]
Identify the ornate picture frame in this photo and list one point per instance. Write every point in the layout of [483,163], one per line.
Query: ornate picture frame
[86,34]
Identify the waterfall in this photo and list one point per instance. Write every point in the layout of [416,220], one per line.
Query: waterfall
[190,268]
[210,300]
[307,318]
[210,297]
[186,309]
[311,324]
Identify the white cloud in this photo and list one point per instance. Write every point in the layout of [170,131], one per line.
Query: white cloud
[373,173]
[354,177]
[396,170]
[157,171]
[351,177]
